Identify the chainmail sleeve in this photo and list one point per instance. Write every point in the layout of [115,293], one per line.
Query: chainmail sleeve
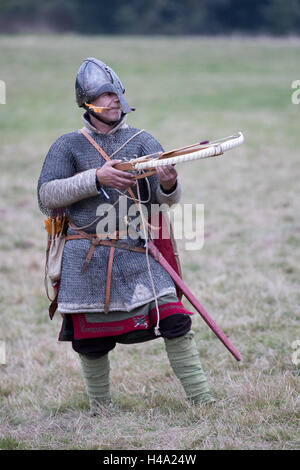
[58,186]
[59,163]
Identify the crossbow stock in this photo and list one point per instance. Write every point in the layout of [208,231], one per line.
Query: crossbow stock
[197,151]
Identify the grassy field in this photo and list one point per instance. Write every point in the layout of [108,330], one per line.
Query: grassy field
[246,275]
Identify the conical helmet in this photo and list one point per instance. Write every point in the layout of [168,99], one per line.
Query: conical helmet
[94,78]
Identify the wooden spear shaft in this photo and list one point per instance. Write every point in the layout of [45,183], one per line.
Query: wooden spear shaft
[190,296]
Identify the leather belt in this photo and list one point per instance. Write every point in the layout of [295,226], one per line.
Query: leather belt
[113,243]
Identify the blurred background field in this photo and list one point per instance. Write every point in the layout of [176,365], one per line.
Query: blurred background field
[185,89]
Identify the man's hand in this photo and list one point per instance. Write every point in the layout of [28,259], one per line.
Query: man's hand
[167,176]
[107,175]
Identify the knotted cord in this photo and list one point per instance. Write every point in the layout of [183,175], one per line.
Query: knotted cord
[213,149]
[145,232]
[197,151]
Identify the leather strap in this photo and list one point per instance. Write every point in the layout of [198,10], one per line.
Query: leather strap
[120,166]
[94,143]
[95,241]
[104,155]
[107,158]
[53,305]
[91,250]
[108,278]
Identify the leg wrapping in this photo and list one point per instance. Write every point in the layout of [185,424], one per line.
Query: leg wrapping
[96,378]
[184,359]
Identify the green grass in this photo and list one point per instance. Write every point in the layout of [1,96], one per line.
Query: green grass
[246,275]
[9,443]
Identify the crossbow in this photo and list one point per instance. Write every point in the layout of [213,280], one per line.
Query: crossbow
[196,151]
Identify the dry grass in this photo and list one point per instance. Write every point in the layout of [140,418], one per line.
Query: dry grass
[247,274]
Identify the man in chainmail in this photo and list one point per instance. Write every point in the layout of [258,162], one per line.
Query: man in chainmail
[120,296]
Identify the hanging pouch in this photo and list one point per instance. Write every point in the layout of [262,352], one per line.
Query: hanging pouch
[56,228]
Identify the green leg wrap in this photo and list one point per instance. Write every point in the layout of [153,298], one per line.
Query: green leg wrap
[184,359]
[96,377]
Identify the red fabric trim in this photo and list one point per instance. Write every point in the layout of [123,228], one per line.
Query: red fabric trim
[164,245]
[83,329]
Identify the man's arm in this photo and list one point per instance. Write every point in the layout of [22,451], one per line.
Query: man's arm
[59,183]
[171,196]
[65,191]
[169,188]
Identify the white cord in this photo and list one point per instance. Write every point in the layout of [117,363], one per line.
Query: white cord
[156,329]
[131,198]
[122,194]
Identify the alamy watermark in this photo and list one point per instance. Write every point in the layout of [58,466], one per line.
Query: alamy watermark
[296,94]
[186,221]
[2,92]
[2,352]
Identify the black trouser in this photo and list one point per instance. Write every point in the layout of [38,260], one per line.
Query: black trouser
[170,327]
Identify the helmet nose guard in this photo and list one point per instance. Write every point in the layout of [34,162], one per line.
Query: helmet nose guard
[94,78]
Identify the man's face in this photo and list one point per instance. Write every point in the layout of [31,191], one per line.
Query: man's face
[110,100]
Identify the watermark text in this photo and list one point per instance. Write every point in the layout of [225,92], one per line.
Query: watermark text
[296,94]
[2,92]
[185,221]
[296,353]
[2,352]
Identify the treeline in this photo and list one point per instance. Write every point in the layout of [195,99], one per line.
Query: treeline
[167,17]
